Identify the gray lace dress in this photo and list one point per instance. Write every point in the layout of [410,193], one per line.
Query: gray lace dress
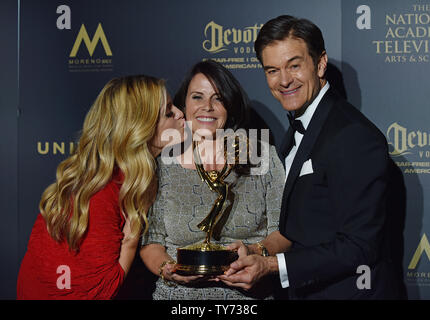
[183,201]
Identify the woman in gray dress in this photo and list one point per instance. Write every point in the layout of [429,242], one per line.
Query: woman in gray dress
[211,99]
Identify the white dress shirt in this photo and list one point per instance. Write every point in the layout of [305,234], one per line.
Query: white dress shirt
[305,118]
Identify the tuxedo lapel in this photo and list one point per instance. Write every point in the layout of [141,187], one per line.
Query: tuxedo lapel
[309,139]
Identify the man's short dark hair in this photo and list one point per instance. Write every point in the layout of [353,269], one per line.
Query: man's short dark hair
[286,26]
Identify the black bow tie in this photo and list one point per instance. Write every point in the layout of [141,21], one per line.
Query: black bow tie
[296,125]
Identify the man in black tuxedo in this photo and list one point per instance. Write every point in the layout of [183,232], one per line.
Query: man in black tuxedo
[336,162]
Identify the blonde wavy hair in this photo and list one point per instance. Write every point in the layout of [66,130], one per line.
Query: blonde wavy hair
[116,134]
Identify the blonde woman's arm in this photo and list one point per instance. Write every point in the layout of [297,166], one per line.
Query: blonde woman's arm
[128,248]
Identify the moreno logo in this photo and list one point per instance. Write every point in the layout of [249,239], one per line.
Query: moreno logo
[423,246]
[91,44]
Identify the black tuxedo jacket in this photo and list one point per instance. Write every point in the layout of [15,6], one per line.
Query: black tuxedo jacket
[336,216]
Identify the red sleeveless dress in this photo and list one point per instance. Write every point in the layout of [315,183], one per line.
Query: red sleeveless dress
[50,270]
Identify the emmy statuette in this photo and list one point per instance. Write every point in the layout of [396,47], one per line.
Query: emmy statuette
[208,258]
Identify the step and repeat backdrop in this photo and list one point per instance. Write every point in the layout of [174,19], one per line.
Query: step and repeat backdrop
[63,52]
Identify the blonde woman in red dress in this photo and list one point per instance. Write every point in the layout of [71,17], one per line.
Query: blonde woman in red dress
[85,238]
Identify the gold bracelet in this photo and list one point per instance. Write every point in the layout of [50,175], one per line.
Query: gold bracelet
[160,273]
[264,251]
